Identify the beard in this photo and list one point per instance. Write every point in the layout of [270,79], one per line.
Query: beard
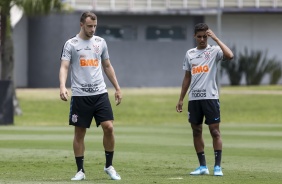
[88,34]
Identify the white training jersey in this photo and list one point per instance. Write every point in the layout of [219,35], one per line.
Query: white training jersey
[86,57]
[203,67]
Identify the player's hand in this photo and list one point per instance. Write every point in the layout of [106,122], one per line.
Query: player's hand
[179,106]
[118,97]
[64,94]
[211,34]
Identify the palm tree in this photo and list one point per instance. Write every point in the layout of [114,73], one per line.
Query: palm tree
[29,8]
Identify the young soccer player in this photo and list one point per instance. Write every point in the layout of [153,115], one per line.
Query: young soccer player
[200,65]
[86,55]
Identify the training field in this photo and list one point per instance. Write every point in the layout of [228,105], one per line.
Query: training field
[153,143]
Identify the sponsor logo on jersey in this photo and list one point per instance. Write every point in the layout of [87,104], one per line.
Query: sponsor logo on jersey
[88,62]
[89,85]
[89,88]
[199,93]
[199,69]
[87,48]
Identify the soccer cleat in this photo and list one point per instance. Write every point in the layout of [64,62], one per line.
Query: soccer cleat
[217,171]
[79,176]
[200,171]
[112,173]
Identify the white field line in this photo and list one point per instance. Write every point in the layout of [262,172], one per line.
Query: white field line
[53,93]
[252,92]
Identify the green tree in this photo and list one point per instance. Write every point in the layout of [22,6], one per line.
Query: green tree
[29,8]
[234,69]
[254,65]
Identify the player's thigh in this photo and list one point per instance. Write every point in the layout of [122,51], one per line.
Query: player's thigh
[195,113]
[103,110]
[80,111]
[211,108]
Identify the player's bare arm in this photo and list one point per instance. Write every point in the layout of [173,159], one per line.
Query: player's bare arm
[63,78]
[227,53]
[110,72]
[184,89]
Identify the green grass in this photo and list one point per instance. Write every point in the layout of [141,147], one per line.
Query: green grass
[149,106]
[144,154]
[153,142]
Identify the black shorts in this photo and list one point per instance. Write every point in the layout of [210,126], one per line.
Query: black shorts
[198,109]
[84,108]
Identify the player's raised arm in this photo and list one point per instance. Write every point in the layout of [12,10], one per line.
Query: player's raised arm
[227,53]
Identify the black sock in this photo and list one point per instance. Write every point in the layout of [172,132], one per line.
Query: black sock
[109,158]
[217,156]
[79,163]
[202,158]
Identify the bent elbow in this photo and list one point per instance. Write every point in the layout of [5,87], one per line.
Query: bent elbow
[229,56]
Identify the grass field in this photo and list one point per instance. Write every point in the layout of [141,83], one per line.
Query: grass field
[153,142]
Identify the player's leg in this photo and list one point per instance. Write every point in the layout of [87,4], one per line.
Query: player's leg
[198,140]
[212,113]
[108,141]
[217,145]
[109,145]
[78,149]
[196,119]
[81,119]
[199,147]
[216,137]
[104,116]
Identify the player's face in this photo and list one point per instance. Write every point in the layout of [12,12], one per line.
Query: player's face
[89,27]
[201,39]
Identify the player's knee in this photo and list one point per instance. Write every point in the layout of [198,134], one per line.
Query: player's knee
[108,127]
[79,134]
[197,132]
[215,133]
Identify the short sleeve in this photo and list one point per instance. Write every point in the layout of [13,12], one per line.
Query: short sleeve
[186,65]
[66,53]
[105,53]
[219,55]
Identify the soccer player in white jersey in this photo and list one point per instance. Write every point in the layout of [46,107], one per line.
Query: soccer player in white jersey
[200,65]
[86,55]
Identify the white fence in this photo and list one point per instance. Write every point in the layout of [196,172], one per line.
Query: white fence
[163,5]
